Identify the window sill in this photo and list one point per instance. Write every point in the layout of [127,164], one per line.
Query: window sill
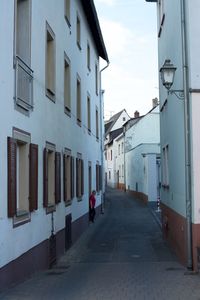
[79,122]
[50,95]
[68,22]
[51,208]
[22,217]
[68,203]
[79,46]
[68,112]
[165,186]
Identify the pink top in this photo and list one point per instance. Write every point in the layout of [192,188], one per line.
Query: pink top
[92,201]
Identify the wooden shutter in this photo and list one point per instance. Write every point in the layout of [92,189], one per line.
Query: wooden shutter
[64,178]
[12,180]
[77,194]
[57,177]
[97,178]
[82,177]
[33,177]
[100,178]
[45,177]
[72,177]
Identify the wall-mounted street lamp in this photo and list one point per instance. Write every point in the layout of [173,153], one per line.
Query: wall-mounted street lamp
[167,72]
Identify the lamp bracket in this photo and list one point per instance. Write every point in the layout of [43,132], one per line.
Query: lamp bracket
[178,93]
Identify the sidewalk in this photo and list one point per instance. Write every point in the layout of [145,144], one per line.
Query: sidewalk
[122,256]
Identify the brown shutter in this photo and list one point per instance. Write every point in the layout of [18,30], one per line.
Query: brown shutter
[97,178]
[45,177]
[82,177]
[72,177]
[57,177]
[77,195]
[64,178]
[100,178]
[12,180]
[33,177]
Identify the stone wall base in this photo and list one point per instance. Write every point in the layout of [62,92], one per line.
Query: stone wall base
[38,258]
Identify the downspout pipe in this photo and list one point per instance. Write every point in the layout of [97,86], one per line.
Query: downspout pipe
[188,189]
[102,140]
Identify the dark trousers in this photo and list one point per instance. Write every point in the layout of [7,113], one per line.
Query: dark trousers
[92,213]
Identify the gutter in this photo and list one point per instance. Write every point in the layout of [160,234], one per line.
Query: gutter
[188,189]
[102,141]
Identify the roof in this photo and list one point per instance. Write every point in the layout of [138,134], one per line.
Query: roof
[92,18]
[131,122]
[113,134]
[110,123]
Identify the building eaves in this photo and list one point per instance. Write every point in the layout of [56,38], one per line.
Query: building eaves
[92,18]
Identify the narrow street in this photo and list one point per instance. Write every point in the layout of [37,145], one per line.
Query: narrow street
[121,256]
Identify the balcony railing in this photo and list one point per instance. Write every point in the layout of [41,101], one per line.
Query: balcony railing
[23,84]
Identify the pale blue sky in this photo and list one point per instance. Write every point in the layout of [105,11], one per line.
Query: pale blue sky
[130,35]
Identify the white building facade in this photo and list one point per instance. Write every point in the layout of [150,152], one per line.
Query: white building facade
[142,156]
[178,41]
[113,148]
[51,141]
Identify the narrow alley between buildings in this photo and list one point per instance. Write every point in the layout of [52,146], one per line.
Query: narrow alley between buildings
[121,256]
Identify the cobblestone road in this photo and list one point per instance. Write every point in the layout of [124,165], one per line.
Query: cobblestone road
[122,256]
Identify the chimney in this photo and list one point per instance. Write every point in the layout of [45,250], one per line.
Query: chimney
[136,114]
[155,102]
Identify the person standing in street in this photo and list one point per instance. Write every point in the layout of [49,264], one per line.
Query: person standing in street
[92,202]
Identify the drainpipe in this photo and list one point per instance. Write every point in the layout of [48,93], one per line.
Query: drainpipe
[124,132]
[102,140]
[188,190]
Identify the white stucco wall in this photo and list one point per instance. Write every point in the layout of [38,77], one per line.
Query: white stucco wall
[142,142]
[172,113]
[47,121]
[123,118]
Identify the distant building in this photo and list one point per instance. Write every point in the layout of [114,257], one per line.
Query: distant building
[113,129]
[51,137]
[142,156]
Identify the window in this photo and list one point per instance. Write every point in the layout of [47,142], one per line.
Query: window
[68,177]
[22,176]
[78,100]
[119,149]
[96,79]
[88,56]
[89,113]
[98,178]
[78,32]
[67,85]
[79,176]
[52,177]
[124,119]
[161,16]
[122,147]
[105,154]
[119,171]
[22,63]
[67,11]
[166,166]
[122,170]
[110,154]
[97,124]
[50,63]
[109,175]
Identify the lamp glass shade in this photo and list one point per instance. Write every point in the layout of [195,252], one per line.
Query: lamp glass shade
[167,74]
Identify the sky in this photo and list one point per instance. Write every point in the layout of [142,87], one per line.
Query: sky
[130,35]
